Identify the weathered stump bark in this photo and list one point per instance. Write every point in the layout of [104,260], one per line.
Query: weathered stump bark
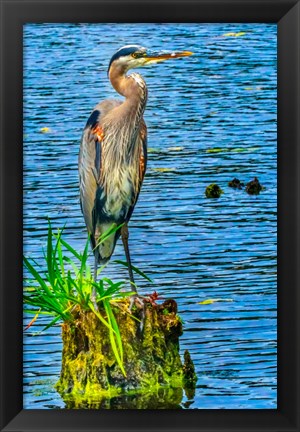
[150,335]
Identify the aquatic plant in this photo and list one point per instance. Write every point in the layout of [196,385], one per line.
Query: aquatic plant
[213,191]
[68,283]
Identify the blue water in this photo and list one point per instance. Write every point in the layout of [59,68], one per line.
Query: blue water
[211,117]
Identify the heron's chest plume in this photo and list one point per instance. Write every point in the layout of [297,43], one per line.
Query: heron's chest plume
[119,194]
[120,171]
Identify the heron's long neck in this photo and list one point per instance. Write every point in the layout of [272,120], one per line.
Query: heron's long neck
[134,89]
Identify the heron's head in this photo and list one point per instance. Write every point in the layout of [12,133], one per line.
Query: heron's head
[134,56]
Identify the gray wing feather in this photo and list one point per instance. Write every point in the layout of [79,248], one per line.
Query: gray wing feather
[89,162]
[89,155]
[142,142]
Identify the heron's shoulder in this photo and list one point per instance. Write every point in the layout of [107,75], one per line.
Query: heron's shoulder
[107,105]
[100,111]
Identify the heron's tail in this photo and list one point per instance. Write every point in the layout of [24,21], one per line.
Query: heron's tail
[106,248]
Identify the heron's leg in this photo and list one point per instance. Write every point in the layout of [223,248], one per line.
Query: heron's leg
[94,293]
[125,236]
[135,297]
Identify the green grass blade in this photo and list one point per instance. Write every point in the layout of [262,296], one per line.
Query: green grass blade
[114,288]
[51,324]
[85,253]
[37,276]
[70,249]
[135,269]
[88,273]
[84,258]
[104,236]
[45,303]
[99,287]
[49,256]
[34,312]
[97,313]
[112,230]
[74,266]
[101,268]
[115,337]
[60,260]
[58,263]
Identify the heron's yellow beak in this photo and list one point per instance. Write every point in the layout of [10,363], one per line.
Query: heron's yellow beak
[152,57]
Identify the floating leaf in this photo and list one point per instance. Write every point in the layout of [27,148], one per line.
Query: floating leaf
[233,150]
[244,149]
[153,150]
[175,148]
[233,34]
[253,88]
[210,301]
[239,150]
[164,169]
[216,150]
[45,130]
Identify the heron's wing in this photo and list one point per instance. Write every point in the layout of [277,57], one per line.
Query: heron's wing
[142,143]
[89,165]
[143,152]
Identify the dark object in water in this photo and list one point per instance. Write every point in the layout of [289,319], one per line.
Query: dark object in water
[189,376]
[236,184]
[254,187]
[213,191]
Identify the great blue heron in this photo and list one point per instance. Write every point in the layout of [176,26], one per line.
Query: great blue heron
[113,153]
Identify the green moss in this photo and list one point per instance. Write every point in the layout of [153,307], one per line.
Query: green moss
[154,398]
[150,355]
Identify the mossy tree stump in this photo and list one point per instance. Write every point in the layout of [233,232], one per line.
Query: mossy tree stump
[150,337]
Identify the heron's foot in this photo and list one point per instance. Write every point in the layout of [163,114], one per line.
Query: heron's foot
[136,301]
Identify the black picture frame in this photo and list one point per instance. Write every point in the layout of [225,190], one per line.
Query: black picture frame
[286,13]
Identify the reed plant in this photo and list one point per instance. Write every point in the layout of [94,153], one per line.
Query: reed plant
[64,281]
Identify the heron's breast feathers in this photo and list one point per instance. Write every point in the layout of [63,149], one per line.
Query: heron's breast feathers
[119,191]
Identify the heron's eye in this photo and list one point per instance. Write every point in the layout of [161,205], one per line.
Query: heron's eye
[134,55]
